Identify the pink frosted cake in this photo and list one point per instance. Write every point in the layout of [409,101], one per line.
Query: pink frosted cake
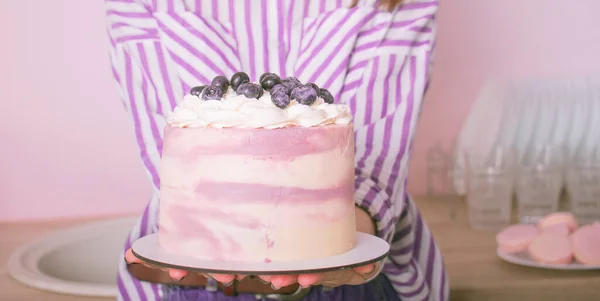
[257,172]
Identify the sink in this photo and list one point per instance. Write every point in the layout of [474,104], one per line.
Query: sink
[81,260]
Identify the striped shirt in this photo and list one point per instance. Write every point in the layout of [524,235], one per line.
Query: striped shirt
[376,61]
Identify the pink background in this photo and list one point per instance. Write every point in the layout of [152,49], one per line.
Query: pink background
[67,149]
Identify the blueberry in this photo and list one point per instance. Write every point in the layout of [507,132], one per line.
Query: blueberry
[238,79]
[197,91]
[269,81]
[265,74]
[281,88]
[295,92]
[326,95]
[280,99]
[221,82]
[212,92]
[314,86]
[305,95]
[250,90]
[289,86]
[293,81]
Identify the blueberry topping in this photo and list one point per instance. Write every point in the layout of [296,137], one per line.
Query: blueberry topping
[212,92]
[250,90]
[281,88]
[283,91]
[269,81]
[221,82]
[280,99]
[295,92]
[238,79]
[294,82]
[314,86]
[263,76]
[305,95]
[197,91]
[289,86]
[326,95]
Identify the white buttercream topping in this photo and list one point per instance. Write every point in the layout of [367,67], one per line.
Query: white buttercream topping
[239,111]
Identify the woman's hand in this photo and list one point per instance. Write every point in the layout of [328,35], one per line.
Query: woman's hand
[353,276]
[174,273]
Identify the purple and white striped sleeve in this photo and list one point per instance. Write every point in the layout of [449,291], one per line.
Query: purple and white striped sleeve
[136,59]
[130,20]
[390,101]
[385,108]
[147,83]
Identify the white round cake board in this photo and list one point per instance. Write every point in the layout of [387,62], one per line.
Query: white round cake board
[368,249]
[524,260]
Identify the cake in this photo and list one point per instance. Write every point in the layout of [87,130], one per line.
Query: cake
[257,172]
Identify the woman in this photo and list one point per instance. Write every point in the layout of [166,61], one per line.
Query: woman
[372,55]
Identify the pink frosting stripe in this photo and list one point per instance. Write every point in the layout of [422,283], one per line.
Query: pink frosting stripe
[185,228]
[284,143]
[260,193]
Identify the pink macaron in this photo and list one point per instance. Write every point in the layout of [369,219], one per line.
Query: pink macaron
[586,244]
[551,248]
[562,228]
[558,218]
[516,238]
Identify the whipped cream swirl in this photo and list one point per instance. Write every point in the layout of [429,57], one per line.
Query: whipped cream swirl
[239,111]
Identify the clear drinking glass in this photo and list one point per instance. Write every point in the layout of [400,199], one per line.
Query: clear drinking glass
[490,181]
[539,182]
[583,185]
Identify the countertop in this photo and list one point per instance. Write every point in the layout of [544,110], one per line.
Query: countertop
[474,271]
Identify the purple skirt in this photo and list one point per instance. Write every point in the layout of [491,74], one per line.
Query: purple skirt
[378,289]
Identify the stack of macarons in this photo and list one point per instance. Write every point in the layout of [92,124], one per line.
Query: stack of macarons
[556,239]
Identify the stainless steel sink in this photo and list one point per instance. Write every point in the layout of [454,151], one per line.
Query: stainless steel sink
[79,261]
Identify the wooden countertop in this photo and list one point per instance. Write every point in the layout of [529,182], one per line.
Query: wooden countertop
[474,271]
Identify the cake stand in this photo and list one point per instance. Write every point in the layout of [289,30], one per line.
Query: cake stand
[368,249]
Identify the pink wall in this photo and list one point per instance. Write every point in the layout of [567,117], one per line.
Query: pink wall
[67,148]
[480,39]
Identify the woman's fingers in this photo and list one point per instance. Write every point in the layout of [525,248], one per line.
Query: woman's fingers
[177,274]
[224,278]
[365,269]
[306,280]
[352,276]
[346,277]
[265,278]
[279,281]
[130,258]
